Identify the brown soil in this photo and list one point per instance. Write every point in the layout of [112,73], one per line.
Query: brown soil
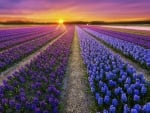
[76,96]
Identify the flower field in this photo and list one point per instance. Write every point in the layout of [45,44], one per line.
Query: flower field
[116,86]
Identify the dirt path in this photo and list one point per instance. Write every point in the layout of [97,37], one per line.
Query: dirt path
[76,98]
[17,66]
[138,68]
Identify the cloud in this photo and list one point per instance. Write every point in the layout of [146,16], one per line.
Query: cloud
[80,9]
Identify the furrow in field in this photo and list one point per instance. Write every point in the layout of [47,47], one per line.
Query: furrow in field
[75,96]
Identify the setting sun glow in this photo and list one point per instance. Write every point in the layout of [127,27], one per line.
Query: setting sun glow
[61,21]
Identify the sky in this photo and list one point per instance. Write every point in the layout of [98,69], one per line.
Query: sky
[74,10]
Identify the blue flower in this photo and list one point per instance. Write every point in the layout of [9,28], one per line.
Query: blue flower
[136,98]
[129,91]
[117,91]
[126,86]
[105,111]
[137,107]
[112,83]
[143,90]
[109,75]
[126,109]
[115,102]
[112,109]
[136,92]
[107,99]
[92,89]
[128,80]
[146,108]
[104,89]
[100,84]
[134,111]
[100,101]
[97,96]
[124,98]
[108,93]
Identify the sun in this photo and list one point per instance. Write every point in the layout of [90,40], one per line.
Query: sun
[61,21]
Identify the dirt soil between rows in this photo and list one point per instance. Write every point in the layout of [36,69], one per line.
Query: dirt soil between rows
[76,96]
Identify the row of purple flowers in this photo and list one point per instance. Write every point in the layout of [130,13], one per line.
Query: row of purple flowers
[115,84]
[133,38]
[9,34]
[36,87]
[137,53]
[12,55]
[21,38]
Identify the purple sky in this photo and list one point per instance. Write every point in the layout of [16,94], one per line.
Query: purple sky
[69,10]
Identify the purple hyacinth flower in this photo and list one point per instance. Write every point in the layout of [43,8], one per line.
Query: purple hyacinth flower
[33,106]
[37,110]
[38,93]
[18,106]
[22,99]
[43,104]
[28,105]
[4,101]
[55,110]
[1,108]
[35,100]
[12,103]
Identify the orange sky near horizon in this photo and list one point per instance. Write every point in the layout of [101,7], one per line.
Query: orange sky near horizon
[85,10]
